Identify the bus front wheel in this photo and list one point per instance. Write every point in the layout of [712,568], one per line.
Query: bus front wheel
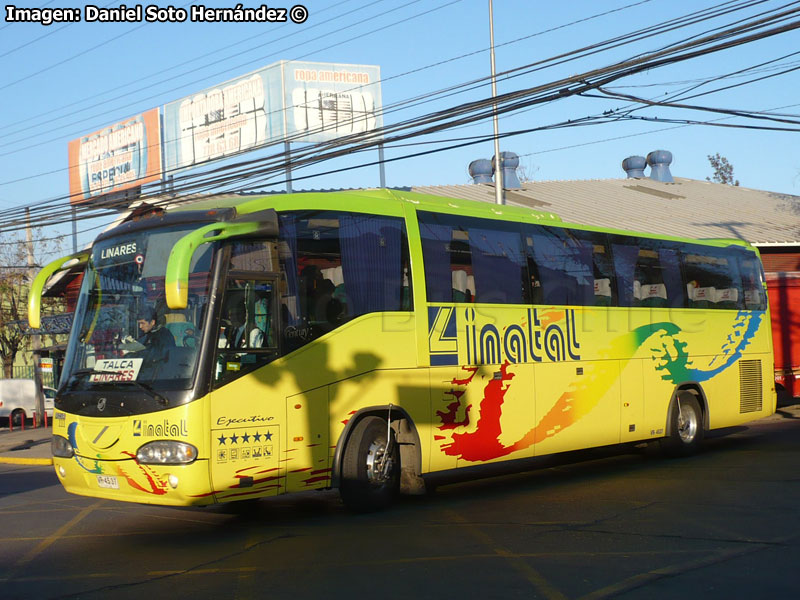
[370,471]
[686,426]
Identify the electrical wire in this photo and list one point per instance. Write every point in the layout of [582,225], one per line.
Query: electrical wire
[607,74]
[218,73]
[689,19]
[386,109]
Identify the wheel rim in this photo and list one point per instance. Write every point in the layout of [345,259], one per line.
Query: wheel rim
[379,465]
[16,418]
[687,424]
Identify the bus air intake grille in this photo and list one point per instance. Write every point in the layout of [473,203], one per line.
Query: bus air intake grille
[750,383]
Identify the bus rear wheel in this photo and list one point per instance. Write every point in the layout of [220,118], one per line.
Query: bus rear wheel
[686,426]
[370,471]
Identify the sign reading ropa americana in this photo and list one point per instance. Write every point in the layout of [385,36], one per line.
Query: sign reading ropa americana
[288,100]
[118,157]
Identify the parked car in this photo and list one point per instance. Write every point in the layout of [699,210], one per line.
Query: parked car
[18,400]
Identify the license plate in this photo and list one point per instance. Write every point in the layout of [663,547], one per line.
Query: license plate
[108,481]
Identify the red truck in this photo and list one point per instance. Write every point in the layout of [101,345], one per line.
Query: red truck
[784,301]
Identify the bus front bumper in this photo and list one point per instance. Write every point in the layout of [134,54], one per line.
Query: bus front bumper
[130,481]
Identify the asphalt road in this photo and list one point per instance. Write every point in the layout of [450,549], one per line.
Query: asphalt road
[624,524]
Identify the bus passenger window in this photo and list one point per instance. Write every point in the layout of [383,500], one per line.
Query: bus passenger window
[648,272]
[712,278]
[648,281]
[603,276]
[752,282]
[564,265]
[473,260]
[336,266]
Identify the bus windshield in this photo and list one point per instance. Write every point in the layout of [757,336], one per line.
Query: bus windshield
[123,330]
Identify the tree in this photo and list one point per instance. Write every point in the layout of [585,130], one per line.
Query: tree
[12,301]
[14,285]
[723,170]
[526,171]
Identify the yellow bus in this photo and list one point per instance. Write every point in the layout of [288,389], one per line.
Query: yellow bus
[237,347]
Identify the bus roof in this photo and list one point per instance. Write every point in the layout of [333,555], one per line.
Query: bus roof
[390,202]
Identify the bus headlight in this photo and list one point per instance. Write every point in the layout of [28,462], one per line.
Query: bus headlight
[61,447]
[166,453]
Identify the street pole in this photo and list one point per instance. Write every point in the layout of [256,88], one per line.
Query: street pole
[498,162]
[382,168]
[288,151]
[36,339]
[74,230]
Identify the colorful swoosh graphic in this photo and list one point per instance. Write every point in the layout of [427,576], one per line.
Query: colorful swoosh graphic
[581,397]
[152,483]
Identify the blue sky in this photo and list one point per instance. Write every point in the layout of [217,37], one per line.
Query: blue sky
[64,80]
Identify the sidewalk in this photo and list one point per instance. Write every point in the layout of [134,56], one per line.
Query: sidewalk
[26,447]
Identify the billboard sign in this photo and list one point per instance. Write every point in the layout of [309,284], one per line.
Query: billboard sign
[288,100]
[327,101]
[118,157]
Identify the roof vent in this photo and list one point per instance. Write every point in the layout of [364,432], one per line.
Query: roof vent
[481,170]
[659,161]
[510,162]
[634,166]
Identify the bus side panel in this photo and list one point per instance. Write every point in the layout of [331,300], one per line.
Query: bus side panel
[632,401]
[723,352]
[248,423]
[578,404]
[253,436]
[307,441]
[741,394]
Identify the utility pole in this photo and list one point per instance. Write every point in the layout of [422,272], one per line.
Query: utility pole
[499,198]
[36,339]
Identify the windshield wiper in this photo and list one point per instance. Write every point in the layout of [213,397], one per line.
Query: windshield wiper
[78,375]
[147,388]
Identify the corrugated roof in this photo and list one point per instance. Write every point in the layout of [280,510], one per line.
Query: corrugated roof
[685,208]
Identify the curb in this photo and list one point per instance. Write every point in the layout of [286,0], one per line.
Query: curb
[8,460]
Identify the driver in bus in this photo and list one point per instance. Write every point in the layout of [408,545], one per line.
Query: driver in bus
[157,340]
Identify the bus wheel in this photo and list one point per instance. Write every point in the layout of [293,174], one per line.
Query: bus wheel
[370,474]
[17,417]
[686,426]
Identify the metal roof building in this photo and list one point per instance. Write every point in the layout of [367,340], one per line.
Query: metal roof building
[685,207]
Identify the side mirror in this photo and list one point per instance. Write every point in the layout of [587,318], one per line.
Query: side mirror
[37,287]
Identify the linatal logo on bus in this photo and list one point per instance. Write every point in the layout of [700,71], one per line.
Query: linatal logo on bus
[539,335]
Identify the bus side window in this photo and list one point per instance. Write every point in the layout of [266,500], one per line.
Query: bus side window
[713,278]
[563,263]
[448,262]
[648,273]
[473,260]
[752,282]
[336,266]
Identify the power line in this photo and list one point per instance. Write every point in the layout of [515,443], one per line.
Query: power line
[41,37]
[203,67]
[690,19]
[71,112]
[466,113]
[428,97]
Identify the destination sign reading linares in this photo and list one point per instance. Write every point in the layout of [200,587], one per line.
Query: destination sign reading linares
[153,13]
